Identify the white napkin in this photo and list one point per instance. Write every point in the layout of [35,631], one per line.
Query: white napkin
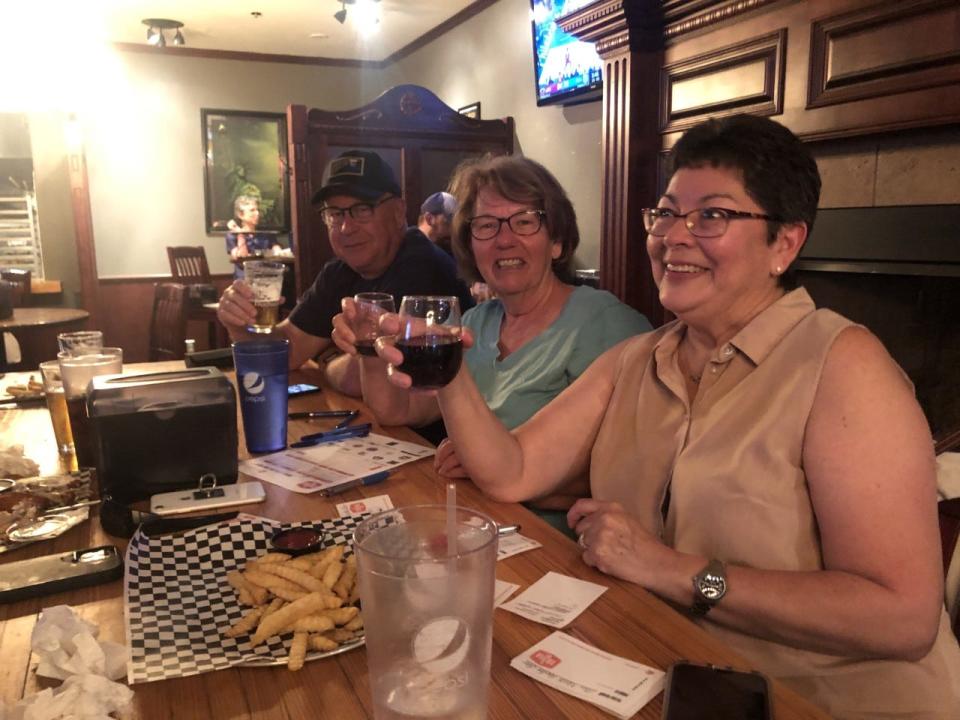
[68,650]
[67,645]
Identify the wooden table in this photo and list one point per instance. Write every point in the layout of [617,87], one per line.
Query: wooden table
[626,620]
[36,330]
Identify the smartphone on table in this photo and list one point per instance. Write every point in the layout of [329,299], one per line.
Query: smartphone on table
[698,692]
[301,389]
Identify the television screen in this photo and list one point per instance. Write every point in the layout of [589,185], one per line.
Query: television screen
[567,69]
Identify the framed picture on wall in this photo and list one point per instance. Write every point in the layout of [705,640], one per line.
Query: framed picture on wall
[471,111]
[245,155]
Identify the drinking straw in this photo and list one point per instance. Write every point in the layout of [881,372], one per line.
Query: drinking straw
[451,519]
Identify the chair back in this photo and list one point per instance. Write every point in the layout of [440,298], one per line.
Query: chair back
[188,264]
[168,326]
[19,285]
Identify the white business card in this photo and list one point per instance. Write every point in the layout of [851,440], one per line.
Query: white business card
[364,506]
[502,590]
[510,545]
[614,684]
[555,599]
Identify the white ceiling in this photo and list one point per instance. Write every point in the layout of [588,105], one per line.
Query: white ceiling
[285,27]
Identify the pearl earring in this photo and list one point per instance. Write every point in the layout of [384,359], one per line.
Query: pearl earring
[778,270]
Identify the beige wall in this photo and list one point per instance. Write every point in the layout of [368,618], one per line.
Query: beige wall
[139,114]
[490,59]
[144,146]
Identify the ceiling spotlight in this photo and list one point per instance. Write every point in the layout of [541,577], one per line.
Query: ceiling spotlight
[341,15]
[155,28]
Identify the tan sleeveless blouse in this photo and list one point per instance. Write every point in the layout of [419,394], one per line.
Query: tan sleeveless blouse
[738,492]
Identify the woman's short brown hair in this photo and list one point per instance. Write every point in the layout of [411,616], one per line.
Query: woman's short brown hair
[520,180]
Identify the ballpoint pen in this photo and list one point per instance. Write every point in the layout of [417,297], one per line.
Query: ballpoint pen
[332,436]
[368,480]
[347,420]
[323,414]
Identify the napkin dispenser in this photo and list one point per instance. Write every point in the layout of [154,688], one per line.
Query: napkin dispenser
[162,431]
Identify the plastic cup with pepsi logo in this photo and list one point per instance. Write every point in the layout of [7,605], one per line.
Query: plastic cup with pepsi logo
[262,372]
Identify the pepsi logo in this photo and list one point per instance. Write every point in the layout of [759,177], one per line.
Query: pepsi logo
[253,383]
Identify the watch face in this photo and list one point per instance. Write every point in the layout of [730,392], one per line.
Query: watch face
[712,587]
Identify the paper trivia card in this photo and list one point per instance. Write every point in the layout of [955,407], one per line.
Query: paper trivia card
[365,506]
[555,599]
[311,469]
[614,684]
[502,590]
[511,545]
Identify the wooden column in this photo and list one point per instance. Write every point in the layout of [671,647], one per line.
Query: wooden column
[83,225]
[628,37]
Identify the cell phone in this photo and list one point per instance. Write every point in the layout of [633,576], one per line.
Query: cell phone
[181,501]
[706,691]
[301,389]
[62,571]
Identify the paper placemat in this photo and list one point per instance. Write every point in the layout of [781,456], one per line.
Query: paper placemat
[178,603]
[310,469]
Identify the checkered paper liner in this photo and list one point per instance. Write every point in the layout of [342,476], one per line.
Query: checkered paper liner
[178,603]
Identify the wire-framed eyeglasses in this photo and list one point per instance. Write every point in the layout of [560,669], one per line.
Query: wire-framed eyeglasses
[708,222]
[525,222]
[361,212]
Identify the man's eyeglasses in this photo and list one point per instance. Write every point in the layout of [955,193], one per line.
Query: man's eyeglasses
[361,212]
[525,222]
[706,222]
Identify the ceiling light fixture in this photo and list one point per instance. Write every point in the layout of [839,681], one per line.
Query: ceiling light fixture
[365,8]
[155,28]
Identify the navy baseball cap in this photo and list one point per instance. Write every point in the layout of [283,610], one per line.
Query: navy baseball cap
[358,173]
[440,203]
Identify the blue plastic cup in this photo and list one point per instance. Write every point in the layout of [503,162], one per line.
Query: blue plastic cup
[262,378]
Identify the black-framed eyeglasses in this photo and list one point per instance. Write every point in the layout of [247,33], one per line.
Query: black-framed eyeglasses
[361,212]
[708,222]
[525,222]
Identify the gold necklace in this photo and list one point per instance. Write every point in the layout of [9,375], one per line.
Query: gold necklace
[685,367]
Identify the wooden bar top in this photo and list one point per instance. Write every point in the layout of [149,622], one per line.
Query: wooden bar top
[626,620]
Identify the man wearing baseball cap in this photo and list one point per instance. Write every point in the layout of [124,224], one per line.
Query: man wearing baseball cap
[361,206]
[436,217]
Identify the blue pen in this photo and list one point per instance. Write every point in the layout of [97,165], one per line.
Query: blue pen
[347,420]
[368,480]
[335,432]
[355,432]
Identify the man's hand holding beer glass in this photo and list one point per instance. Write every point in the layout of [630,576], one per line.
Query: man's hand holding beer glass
[252,305]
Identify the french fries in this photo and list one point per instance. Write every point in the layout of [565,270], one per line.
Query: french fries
[31,388]
[313,597]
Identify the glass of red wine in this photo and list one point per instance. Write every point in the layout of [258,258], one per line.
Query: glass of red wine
[429,339]
[366,325]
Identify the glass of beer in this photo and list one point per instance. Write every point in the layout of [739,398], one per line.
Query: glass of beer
[366,325]
[80,342]
[57,405]
[430,339]
[77,371]
[266,281]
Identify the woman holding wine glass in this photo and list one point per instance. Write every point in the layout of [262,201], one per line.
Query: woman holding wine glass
[758,461]
[516,230]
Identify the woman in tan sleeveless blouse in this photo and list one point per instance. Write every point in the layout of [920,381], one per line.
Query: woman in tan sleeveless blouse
[758,460]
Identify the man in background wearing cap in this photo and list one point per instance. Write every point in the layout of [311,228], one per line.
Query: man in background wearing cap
[436,217]
[365,216]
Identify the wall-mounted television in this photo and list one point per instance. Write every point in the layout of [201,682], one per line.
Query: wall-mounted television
[568,70]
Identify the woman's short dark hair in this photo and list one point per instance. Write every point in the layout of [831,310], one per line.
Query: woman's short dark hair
[521,180]
[776,168]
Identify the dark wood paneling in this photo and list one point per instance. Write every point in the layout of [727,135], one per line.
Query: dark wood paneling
[128,305]
[884,49]
[742,78]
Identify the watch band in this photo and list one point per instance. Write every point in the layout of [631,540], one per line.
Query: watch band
[709,587]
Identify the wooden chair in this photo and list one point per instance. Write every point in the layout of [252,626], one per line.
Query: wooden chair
[188,265]
[168,326]
[20,285]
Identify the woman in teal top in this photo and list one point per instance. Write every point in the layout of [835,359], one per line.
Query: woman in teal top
[515,229]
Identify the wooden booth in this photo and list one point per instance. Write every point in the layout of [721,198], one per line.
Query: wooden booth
[419,136]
